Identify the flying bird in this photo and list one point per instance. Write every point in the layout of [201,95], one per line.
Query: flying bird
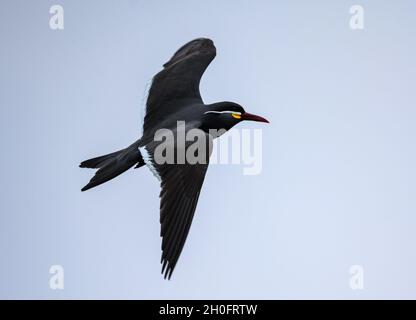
[174,97]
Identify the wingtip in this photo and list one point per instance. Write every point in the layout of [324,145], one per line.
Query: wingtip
[166,269]
[83,164]
[168,274]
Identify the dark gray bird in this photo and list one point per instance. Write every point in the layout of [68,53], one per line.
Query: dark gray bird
[174,96]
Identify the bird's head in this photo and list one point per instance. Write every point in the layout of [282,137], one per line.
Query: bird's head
[225,115]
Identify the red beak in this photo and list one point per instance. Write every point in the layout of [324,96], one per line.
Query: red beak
[253,117]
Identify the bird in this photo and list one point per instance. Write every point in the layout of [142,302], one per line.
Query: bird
[174,96]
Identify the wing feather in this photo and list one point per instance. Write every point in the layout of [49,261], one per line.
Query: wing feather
[180,188]
[178,81]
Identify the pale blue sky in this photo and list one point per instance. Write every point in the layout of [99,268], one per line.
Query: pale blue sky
[338,181]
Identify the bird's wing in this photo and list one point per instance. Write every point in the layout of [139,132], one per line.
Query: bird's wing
[178,81]
[180,188]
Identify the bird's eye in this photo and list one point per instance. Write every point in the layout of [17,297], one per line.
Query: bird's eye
[236,115]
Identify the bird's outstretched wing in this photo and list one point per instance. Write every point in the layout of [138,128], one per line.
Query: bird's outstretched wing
[180,188]
[178,81]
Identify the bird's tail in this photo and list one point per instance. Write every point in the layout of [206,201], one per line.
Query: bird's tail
[111,165]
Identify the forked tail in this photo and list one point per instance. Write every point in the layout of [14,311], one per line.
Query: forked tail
[111,165]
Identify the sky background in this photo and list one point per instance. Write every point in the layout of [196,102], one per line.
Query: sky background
[338,183]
